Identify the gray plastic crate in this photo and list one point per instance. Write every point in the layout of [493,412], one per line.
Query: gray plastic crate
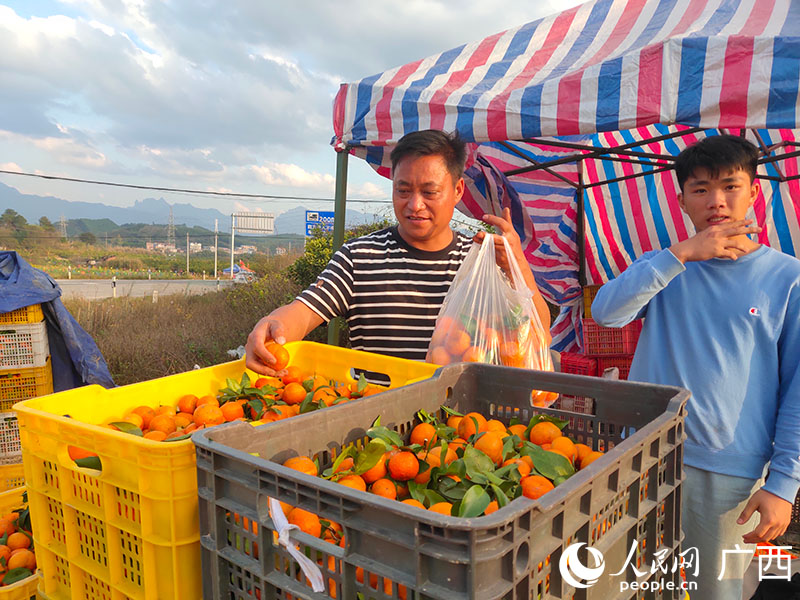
[630,495]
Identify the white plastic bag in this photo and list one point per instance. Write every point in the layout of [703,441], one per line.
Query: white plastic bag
[488,318]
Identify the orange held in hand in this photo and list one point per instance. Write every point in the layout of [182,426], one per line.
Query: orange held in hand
[279,353]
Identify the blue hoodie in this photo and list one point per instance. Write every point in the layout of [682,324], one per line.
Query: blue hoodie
[729,332]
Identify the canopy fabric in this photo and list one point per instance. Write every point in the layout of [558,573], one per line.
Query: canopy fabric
[606,65]
[650,76]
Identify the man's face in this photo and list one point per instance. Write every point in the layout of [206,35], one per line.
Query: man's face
[424,196]
[713,200]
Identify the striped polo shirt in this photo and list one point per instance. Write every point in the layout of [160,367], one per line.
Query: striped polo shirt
[388,291]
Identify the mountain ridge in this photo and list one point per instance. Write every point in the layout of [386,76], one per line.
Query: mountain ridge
[149,210]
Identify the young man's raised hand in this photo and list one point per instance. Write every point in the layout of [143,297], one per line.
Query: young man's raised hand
[727,240]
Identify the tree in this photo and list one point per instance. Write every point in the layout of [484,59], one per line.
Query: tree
[87,237]
[13,219]
[319,249]
[46,223]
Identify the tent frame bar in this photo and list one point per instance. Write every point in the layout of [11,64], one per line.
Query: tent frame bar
[556,174]
[598,151]
[623,155]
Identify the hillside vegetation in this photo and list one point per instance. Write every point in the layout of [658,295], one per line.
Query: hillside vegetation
[90,255]
[141,340]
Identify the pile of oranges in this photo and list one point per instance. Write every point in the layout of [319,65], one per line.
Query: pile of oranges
[264,400]
[17,558]
[466,466]
[464,452]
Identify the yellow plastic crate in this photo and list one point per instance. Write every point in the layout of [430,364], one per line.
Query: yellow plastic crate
[116,533]
[25,589]
[19,384]
[11,476]
[589,292]
[26,314]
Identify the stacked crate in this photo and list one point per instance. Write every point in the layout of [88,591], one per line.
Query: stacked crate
[25,372]
[603,348]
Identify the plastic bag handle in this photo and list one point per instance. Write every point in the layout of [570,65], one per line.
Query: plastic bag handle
[284,528]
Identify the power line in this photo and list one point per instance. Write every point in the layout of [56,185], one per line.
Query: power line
[189,191]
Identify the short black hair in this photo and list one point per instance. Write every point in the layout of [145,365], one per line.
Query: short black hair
[433,142]
[717,153]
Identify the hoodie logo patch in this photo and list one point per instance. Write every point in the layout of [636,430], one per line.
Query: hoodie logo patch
[754,311]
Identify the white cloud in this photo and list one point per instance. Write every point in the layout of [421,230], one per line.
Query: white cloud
[217,95]
[10,166]
[369,191]
[63,150]
[281,174]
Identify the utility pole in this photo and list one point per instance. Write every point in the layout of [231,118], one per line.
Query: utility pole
[233,227]
[216,243]
[187,254]
[171,230]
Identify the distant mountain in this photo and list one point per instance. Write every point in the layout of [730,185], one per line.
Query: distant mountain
[149,210]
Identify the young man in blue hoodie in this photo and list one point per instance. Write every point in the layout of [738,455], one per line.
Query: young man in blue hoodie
[722,319]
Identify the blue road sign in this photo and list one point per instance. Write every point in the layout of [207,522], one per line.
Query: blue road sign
[319,219]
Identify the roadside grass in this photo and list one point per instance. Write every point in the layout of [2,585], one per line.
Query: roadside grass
[142,340]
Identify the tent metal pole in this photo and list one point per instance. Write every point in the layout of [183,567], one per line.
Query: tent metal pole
[340,206]
[626,177]
[581,228]
[516,151]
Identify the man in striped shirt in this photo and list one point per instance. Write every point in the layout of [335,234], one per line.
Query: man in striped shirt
[390,284]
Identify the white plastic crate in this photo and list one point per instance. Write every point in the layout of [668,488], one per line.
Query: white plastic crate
[10,448]
[23,346]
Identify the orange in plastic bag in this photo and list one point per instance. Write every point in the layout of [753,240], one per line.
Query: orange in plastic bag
[487,317]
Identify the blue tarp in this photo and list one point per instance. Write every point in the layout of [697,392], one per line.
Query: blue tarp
[74,355]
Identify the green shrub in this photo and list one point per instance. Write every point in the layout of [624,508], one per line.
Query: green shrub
[319,249]
[124,262]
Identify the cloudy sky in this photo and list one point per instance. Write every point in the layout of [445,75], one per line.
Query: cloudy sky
[223,95]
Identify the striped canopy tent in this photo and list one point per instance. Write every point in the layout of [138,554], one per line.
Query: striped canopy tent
[574,121]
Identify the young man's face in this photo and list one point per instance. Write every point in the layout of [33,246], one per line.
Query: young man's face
[713,200]
[424,196]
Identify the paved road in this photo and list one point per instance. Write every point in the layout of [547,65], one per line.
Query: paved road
[93,289]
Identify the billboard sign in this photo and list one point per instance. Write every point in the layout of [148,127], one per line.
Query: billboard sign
[254,222]
[319,219]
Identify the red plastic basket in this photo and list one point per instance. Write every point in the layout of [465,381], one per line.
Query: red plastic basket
[578,364]
[623,363]
[604,341]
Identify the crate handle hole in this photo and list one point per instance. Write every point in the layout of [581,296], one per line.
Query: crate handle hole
[523,556]
[374,377]
[86,462]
